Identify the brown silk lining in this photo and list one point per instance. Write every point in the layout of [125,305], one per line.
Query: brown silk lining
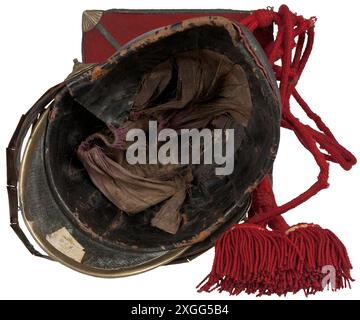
[192,90]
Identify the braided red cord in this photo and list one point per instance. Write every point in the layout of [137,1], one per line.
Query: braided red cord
[296,34]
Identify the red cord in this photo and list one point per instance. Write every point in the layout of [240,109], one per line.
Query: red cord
[296,33]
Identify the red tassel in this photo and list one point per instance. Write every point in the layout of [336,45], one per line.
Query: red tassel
[252,259]
[324,258]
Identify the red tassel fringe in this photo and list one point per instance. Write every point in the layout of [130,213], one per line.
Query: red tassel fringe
[251,259]
[320,251]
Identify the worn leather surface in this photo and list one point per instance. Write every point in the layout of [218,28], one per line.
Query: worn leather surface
[105,95]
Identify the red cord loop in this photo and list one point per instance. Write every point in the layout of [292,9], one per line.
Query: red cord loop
[292,47]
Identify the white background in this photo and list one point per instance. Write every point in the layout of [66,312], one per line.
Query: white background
[38,41]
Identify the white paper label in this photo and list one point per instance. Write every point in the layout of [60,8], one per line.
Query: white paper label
[63,241]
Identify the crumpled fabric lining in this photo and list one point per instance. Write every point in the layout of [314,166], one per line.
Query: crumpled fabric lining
[193,89]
